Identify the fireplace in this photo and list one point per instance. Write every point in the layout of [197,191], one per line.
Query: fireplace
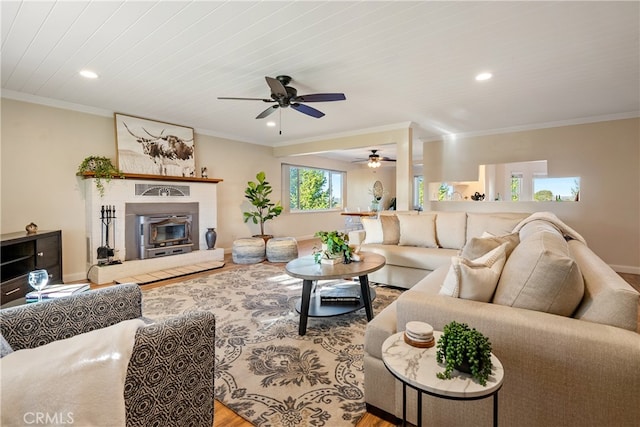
[133,198]
[164,235]
[160,229]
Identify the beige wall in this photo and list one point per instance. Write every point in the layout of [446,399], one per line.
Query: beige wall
[42,147]
[606,157]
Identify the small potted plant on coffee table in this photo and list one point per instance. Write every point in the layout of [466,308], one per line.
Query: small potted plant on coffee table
[335,247]
[466,350]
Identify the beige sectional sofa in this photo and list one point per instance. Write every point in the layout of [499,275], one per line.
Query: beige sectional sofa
[438,237]
[561,321]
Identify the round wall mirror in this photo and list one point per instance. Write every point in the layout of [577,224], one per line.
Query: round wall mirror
[378,191]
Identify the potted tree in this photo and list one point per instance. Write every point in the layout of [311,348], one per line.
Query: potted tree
[466,350]
[335,247]
[100,168]
[257,192]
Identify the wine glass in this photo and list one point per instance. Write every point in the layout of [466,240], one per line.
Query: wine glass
[38,279]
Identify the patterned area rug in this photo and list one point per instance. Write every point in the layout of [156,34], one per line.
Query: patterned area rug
[265,371]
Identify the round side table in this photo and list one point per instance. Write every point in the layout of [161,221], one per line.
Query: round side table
[417,368]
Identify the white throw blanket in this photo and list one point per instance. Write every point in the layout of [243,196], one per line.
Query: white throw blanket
[553,219]
[76,381]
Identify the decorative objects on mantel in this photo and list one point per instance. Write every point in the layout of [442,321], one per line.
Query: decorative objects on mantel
[100,168]
[157,177]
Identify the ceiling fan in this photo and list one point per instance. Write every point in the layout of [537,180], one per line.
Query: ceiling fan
[286,96]
[375,160]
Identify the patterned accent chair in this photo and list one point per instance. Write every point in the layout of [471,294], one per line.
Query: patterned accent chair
[171,371]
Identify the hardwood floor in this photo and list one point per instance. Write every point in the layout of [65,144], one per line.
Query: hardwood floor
[225,417]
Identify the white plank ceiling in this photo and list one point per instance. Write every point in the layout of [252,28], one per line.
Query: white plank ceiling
[396,62]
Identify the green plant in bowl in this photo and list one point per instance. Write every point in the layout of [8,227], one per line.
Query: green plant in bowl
[101,168]
[464,349]
[335,244]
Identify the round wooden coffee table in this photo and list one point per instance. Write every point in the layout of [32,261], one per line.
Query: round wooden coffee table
[309,271]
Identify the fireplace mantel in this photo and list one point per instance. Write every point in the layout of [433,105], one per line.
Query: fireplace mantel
[143,177]
[121,192]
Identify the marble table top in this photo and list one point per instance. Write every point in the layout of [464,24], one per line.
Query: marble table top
[418,367]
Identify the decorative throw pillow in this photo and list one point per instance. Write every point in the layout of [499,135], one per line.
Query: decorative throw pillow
[475,279]
[495,223]
[541,275]
[418,230]
[478,246]
[451,229]
[373,230]
[5,348]
[390,229]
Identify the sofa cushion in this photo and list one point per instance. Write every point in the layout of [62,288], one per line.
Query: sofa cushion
[412,256]
[475,279]
[494,223]
[418,230]
[479,246]
[373,230]
[451,229]
[390,229]
[541,275]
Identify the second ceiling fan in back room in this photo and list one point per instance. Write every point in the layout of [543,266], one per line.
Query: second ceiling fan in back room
[286,96]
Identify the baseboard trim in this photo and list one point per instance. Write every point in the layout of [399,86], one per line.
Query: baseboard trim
[625,269]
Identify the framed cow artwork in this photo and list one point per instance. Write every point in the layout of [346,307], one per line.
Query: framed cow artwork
[150,147]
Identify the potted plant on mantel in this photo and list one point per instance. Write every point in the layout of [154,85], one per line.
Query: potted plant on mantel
[466,350]
[335,248]
[100,168]
[258,194]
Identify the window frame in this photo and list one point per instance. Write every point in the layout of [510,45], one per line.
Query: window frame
[286,188]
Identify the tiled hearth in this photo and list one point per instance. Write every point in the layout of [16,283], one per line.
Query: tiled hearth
[119,193]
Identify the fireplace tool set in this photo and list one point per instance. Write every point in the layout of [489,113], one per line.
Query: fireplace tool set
[108,220]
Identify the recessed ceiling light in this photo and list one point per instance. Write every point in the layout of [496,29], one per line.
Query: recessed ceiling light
[271,124]
[483,76]
[88,74]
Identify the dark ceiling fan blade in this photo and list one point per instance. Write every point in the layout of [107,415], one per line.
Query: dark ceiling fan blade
[268,111]
[309,111]
[246,99]
[320,97]
[277,88]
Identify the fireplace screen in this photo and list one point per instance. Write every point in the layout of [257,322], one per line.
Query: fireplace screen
[164,235]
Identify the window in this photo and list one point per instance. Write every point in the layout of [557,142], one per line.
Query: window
[516,185]
[312,189]
[556,189]
[418,191]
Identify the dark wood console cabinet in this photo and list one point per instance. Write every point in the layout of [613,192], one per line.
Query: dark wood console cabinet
[21,253]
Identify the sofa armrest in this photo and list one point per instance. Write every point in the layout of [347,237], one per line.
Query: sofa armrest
[546,355]
[33,325]
[171,372]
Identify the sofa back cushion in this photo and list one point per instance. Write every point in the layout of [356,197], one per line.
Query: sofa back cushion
[541,275]
[373,230]
[390,229]
[494,223]
[418,230]
[608,298]
[451,229]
